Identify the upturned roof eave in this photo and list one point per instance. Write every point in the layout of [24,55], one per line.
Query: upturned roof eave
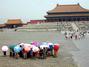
[67,12]
[57,10]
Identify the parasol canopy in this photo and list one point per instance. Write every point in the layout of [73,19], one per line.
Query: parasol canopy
[17,49]
[12,46]
[35,43]
[27,45]
[50,44]
[4,48]
[27,49]
[56,46]
[21,44]
[40,43]
[35,49]
[44,44]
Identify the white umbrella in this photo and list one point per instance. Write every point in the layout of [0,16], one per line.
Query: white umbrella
[4,48]
[33,46]
[21,44]
[50,44]
[27,45]
[35,49]
[42,46]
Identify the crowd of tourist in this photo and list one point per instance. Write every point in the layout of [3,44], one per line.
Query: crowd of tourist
[75,35]
[33,50]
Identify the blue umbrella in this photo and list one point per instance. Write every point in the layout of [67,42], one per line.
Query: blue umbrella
[44,43]
[17,49]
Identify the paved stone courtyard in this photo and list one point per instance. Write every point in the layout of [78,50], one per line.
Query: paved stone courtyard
[64,58]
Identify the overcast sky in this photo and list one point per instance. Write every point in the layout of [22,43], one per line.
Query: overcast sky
[31,9]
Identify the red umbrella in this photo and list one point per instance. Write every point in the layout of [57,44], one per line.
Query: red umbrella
[56,46]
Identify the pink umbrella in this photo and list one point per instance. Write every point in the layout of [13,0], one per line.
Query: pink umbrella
[35,43]
[39,44]
[27,49]
[4,48]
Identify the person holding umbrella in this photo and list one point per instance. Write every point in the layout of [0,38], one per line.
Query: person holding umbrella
[17,50]
[51,48]
[30,53]
[26,50]
[43,50]
[35,51]
[11,47]
[4,50]
[56,48]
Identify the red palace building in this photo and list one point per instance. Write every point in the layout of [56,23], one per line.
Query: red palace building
[68,13]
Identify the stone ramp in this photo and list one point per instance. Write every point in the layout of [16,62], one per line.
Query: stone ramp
[75,28]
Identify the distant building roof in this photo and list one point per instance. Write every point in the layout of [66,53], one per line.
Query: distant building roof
[68,8]
[14,21]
